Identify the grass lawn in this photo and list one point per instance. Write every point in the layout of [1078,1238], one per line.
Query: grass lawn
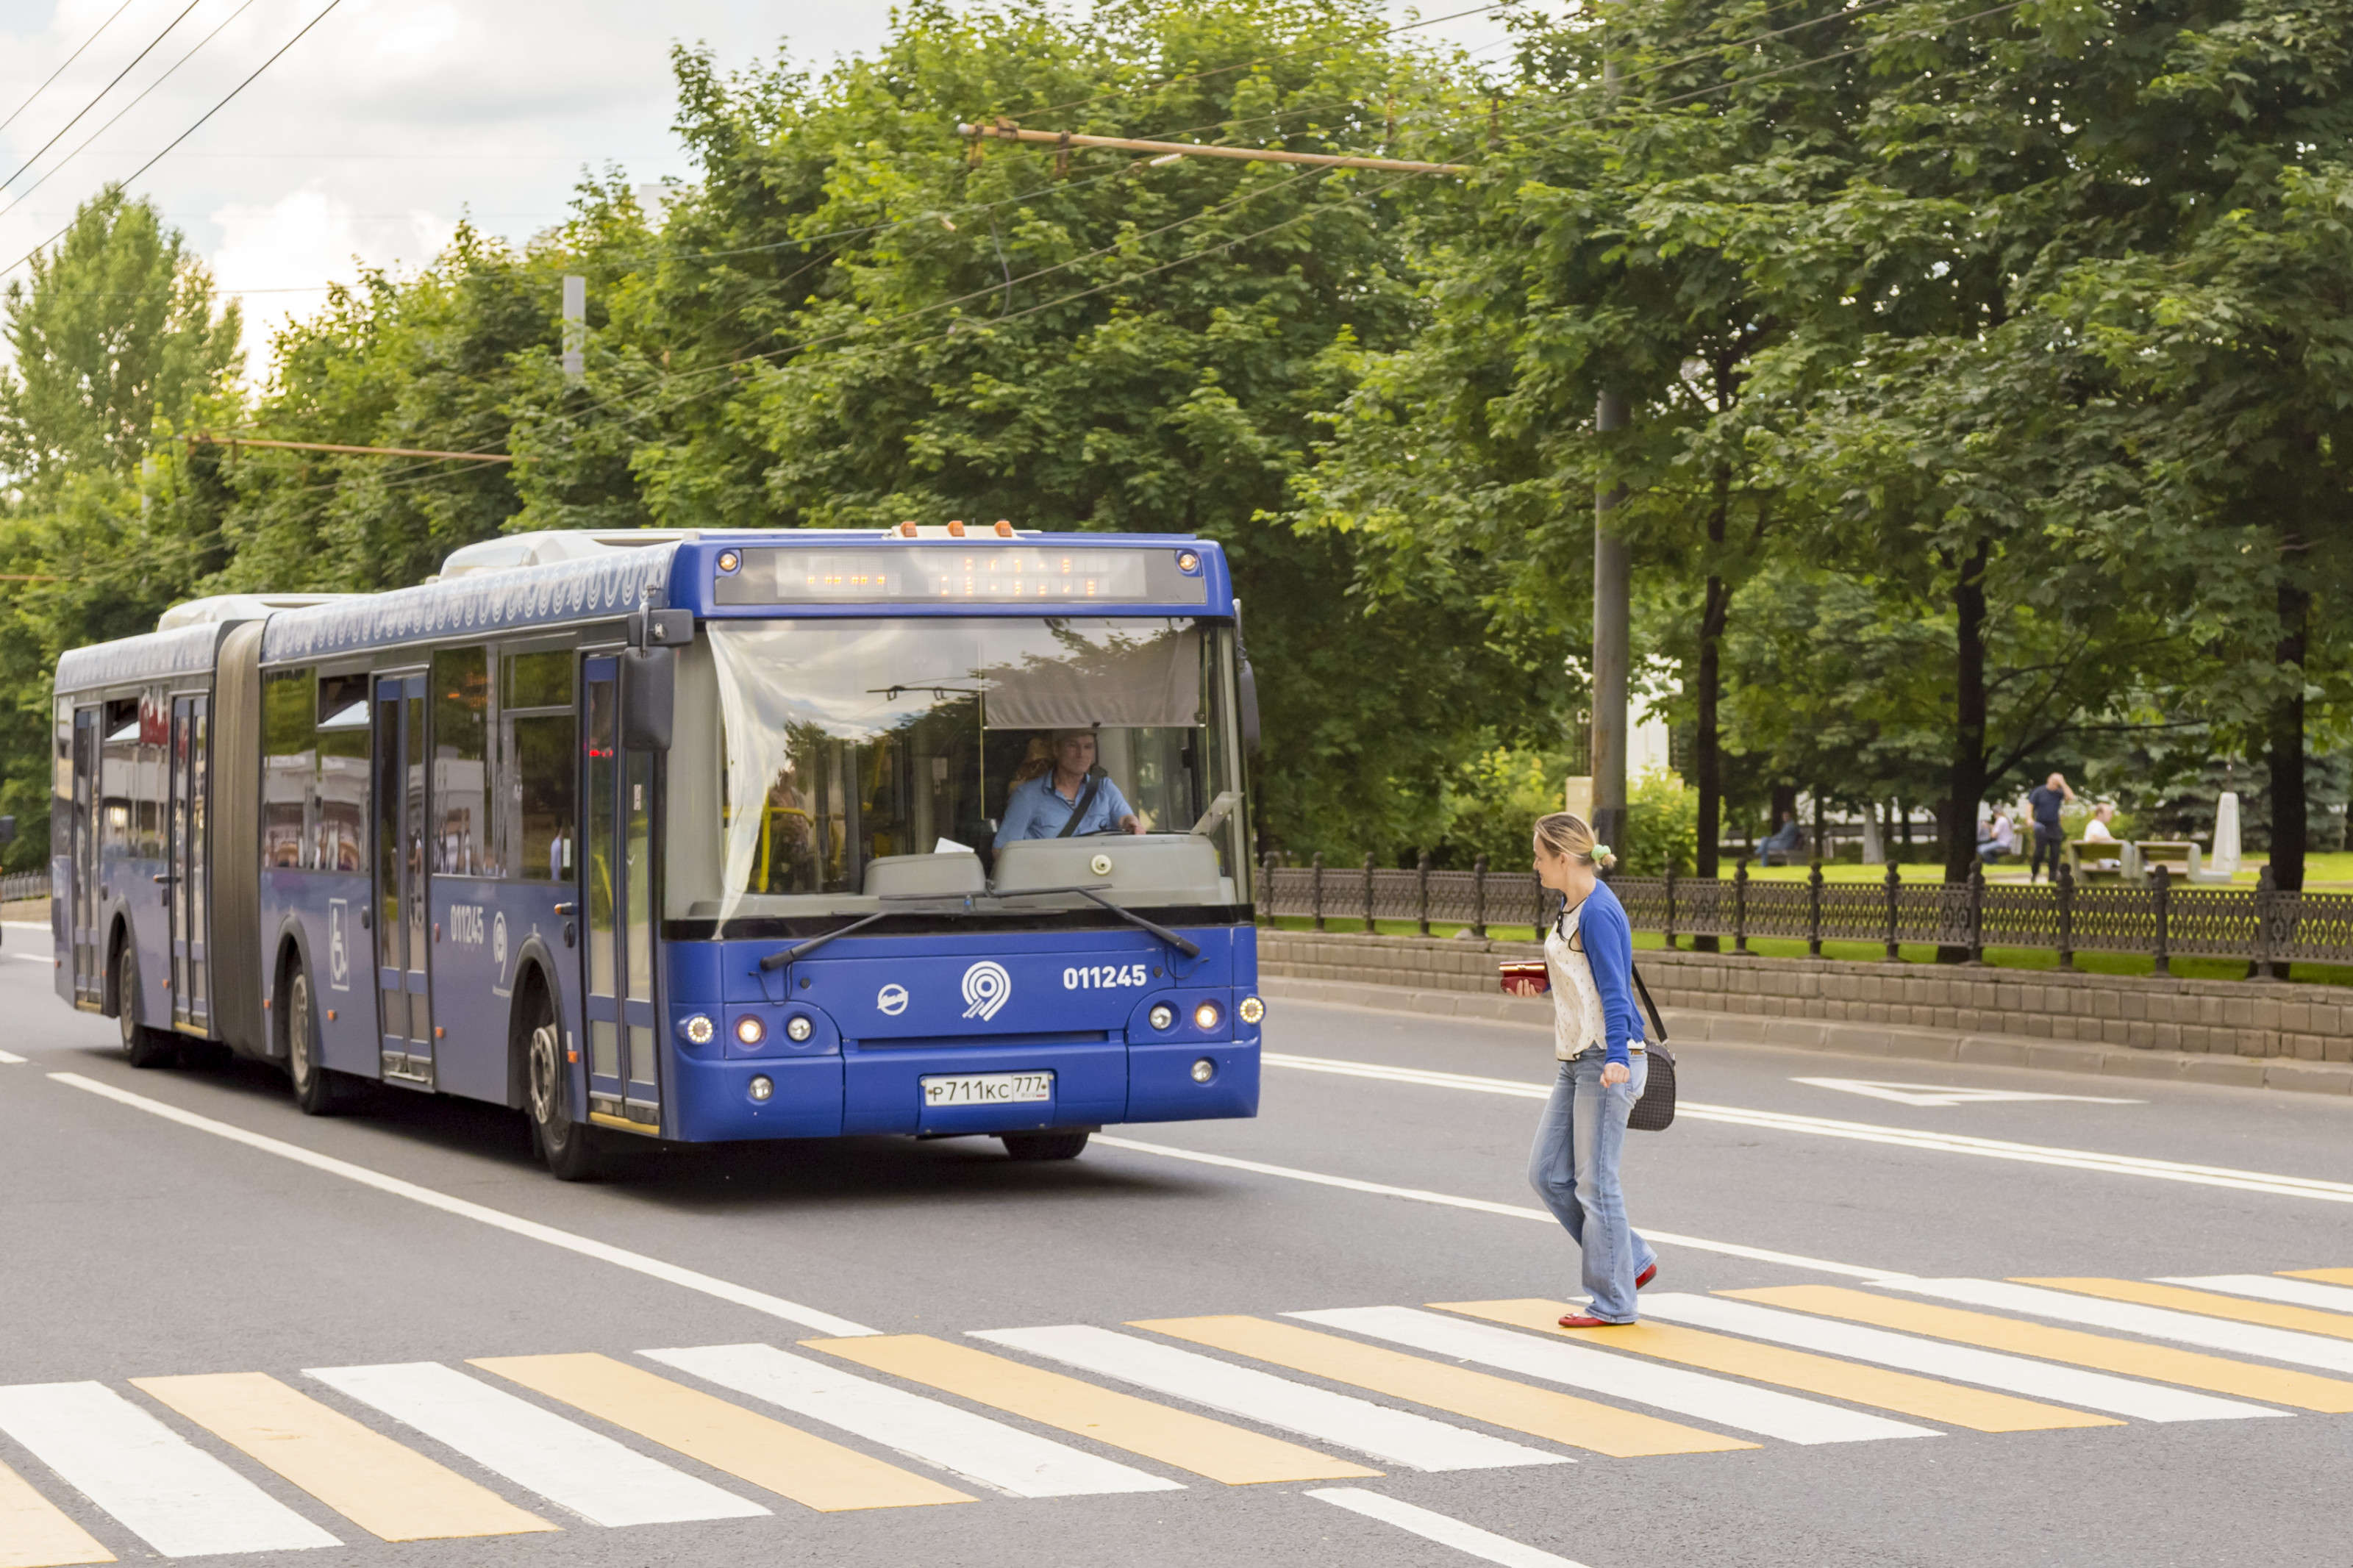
[2321,872]
[1871,952]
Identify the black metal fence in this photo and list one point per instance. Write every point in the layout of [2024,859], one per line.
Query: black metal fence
[2163,918]
[28,885]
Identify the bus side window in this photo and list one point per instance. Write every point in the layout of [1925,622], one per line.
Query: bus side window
[341,784]
[537,765]
[289,738]
[118,778]
[461,720]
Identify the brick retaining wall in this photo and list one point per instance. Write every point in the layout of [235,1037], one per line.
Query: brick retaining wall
[2222,1017]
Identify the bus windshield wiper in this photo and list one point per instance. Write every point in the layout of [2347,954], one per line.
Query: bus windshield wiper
[1188,948]
[778,960]
[1185,945]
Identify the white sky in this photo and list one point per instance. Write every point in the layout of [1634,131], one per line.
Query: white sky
[390,118]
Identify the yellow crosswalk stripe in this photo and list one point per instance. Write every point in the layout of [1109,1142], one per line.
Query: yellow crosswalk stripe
[384,1487]
[1190,1442]
[2075,1347]
[2326,1275]
[1458,1390]
[1977,1409]
[2182,1298]
[36,1533]
[786,1460]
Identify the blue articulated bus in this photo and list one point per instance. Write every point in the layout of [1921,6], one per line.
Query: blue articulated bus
[690,836]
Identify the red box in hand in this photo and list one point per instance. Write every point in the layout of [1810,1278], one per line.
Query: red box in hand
[1527,977]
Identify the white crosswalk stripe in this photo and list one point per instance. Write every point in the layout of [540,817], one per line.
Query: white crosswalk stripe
[169,1493]
[2131,1318]
[562,1460]
[987,1452]
[1963,1364]
[2271,1288]
[1716,1400]
[1342,1420]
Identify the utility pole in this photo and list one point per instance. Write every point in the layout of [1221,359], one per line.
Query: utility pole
[1612,649]
[575,329]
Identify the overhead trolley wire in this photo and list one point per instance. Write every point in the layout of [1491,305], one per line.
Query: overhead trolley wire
[103,92]
[192,130]
[126,109]
[53,76]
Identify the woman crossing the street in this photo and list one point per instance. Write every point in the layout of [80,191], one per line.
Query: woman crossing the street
[1597,1040]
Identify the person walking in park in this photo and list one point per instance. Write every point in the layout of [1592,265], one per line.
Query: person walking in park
[2044,804]
[1598,1045]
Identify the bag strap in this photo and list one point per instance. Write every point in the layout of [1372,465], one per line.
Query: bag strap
[1086,798]
[1649,1006]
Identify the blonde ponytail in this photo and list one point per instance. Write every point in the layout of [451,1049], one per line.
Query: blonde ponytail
[1563,832]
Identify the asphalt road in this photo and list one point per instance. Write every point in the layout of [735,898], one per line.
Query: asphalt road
[138,1246]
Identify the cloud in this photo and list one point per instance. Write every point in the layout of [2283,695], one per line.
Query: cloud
[278,257]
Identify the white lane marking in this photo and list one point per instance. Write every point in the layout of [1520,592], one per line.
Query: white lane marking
[1871,1132]
[11,1058]
[1720,1400]
[604,1252]
[2150,1323]
[1342,1420]
[1465,1538]
[562,1460]
[1483,1206]
[1962,1364]
[169,1493]
[1947,1094]
[2265,1288]
[988,1453]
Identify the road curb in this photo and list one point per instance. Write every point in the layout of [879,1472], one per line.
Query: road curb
[1856,1040]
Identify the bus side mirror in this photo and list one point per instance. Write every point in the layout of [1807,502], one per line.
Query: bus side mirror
[7,830]
[648,693]
[1247,683]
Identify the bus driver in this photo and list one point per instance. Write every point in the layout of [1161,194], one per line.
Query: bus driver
[1046,806]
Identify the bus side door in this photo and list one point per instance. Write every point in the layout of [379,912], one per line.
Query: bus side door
[190,902]
[88,958]
[404,981]
[616,870]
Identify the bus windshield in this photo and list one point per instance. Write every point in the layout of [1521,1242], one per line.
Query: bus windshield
[848,743]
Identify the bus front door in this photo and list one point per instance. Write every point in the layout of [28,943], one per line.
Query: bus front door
[404,980]
[190,902]
[617,868]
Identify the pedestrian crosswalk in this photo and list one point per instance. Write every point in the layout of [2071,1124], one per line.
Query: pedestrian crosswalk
[222,1463]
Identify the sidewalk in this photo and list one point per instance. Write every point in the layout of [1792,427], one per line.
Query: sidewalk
[1891,1041]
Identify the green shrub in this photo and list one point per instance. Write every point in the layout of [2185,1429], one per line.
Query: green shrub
[1493,804]
[1662,827]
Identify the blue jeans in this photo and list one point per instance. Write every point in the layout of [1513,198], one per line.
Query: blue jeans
[1574,1168]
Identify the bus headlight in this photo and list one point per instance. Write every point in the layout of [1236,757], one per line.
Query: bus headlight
[699,1029]
[750,1030]
[1206,1015]
[799,1029]
[1204,1071]
[763,1087]
[1162,1016]
[1252,1010]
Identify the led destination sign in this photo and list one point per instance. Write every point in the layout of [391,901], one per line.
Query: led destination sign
[916,573]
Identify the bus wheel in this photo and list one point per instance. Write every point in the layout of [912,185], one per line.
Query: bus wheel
[1043,1145]
[141,1046]
[314,1086]
[567,1146]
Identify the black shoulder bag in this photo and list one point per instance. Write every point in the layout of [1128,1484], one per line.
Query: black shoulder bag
[1655,1111]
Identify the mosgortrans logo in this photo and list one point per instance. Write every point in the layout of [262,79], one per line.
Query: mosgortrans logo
[986,988]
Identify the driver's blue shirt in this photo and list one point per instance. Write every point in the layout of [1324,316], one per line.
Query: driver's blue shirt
[1036,811]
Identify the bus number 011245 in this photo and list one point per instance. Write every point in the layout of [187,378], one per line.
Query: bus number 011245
[1103,976]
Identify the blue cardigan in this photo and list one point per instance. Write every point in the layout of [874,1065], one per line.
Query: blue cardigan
[1609,952]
